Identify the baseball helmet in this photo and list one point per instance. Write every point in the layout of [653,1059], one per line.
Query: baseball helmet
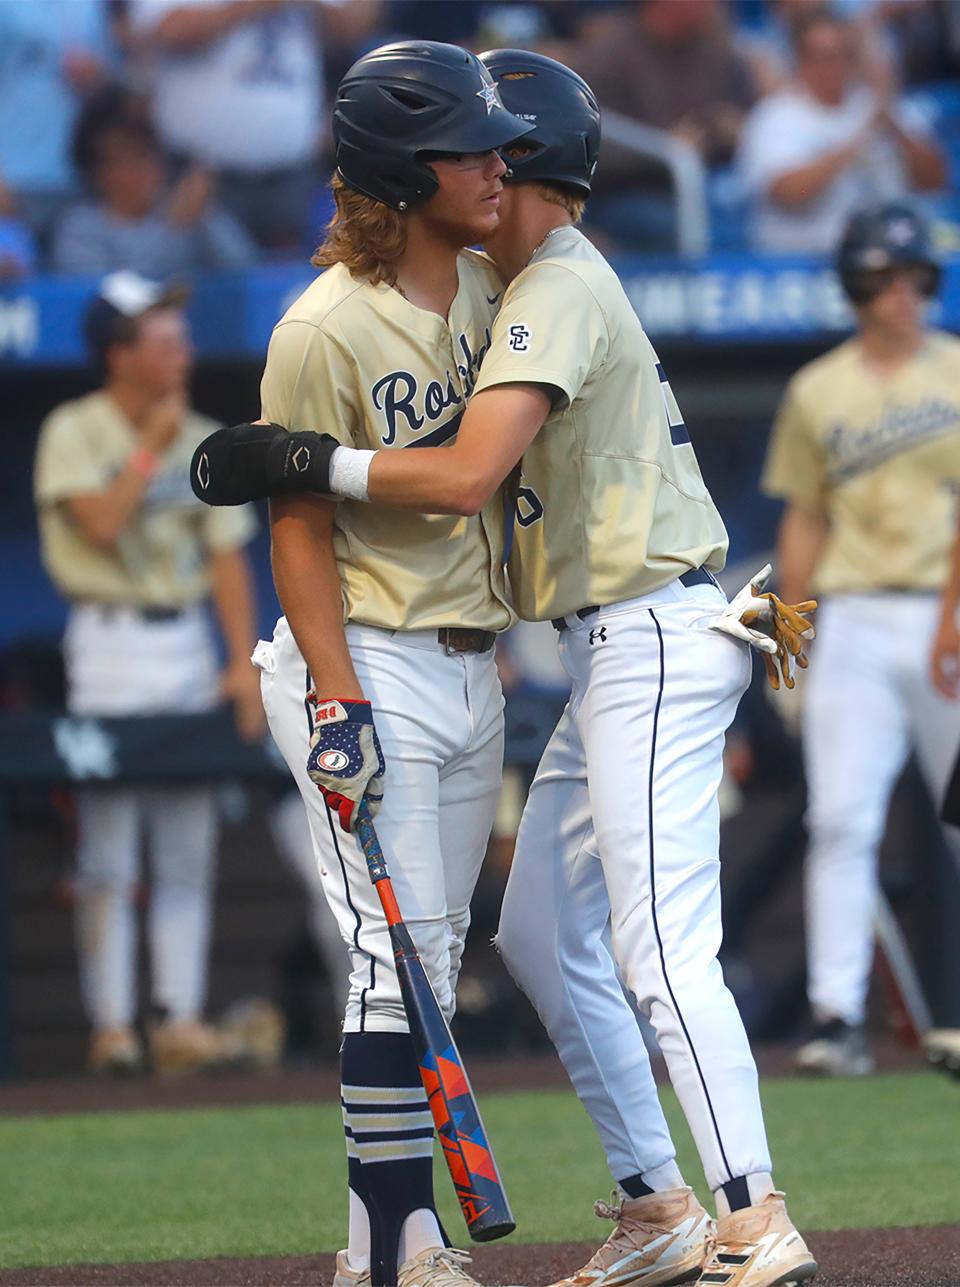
[402,102]
[563,110]
[882,237]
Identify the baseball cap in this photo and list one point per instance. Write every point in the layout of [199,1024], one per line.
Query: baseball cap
[126,296]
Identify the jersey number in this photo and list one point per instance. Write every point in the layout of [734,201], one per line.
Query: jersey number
[529,506]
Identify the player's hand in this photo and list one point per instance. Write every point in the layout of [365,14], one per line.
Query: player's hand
[240,684]
[945,657]
[776,629]
[345,758]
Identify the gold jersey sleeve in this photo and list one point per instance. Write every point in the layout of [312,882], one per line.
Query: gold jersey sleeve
[880,458]
[361,363]
[162,556]
[611,503]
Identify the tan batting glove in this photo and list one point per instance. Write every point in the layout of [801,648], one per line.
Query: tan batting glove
[776,629]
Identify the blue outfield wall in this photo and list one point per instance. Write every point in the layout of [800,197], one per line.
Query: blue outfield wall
[721,298]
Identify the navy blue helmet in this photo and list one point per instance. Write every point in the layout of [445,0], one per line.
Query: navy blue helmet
[562,110]
[882,237]
[403,102]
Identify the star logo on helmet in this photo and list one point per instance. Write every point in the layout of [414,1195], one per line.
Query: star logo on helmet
[900,231]
[489,95]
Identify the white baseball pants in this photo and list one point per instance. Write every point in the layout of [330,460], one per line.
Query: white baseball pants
[868,701]
[120,664]
[440,723]
[621,830]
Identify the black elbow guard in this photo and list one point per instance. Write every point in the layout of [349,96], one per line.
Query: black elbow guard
[252,462]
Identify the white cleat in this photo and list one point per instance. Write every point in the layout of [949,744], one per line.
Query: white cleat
[943,1049]
[659,1240]
[436,1267]
[836,1050]
[757,1247]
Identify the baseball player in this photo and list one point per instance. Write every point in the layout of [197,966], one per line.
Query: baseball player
[616,541]
[382,668]
[125,541]
[866,452]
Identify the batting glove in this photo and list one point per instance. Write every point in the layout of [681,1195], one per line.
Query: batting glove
[345,758]
[776,629]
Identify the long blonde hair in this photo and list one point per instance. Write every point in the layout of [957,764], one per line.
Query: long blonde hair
[365,235]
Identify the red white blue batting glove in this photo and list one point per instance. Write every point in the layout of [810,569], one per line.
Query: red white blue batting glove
[345,758]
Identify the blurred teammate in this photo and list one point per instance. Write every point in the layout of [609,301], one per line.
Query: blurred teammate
[866,452]
[124,540]
[390,619]
[621,824]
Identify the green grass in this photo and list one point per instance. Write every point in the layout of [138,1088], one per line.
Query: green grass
[134,1186]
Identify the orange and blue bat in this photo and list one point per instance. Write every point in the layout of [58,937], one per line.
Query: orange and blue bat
[469,1157]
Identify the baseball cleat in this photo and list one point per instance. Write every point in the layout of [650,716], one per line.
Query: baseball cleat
[658,1240]
[115,1052]
[184,1046]
[942,1046]
[348,1277]
[836,1049]
[757,1247]
[436,1267]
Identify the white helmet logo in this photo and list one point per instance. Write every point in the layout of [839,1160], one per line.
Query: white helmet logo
[489,95]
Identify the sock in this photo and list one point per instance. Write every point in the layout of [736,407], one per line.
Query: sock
[389,1130]
[634,1187]
[358,1237]
[657,1180]
[744,1191]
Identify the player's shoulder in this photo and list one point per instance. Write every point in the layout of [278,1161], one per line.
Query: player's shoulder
[823,373]
[328,295]
[943,347]
[476,268]
[570,264]
[87,411]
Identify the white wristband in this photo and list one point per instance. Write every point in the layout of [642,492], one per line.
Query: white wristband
[349,468]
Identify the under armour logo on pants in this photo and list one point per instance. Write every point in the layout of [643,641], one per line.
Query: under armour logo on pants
[598,635]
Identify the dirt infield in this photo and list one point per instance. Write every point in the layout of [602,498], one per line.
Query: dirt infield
[882,1258]
[317,1084]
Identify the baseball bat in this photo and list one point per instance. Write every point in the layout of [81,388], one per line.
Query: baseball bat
[469,1157]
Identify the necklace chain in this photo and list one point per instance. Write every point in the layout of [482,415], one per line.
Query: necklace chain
[543,240]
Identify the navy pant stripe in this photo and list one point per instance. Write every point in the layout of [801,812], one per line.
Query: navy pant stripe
[653,902]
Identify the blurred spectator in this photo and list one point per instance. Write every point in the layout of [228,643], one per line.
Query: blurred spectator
[813,153]
[673,66]
[237,86]
[133,222]
[125,541]
[52,54]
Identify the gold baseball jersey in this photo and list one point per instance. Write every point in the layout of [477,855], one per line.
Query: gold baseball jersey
[161,558]
[611,502]
[880,458]
[362,363]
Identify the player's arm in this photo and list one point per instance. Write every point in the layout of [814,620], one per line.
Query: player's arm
[231,588]
[102,515]
[800,542]
[945,656]
[345,759]
[497,428]
[308,586]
